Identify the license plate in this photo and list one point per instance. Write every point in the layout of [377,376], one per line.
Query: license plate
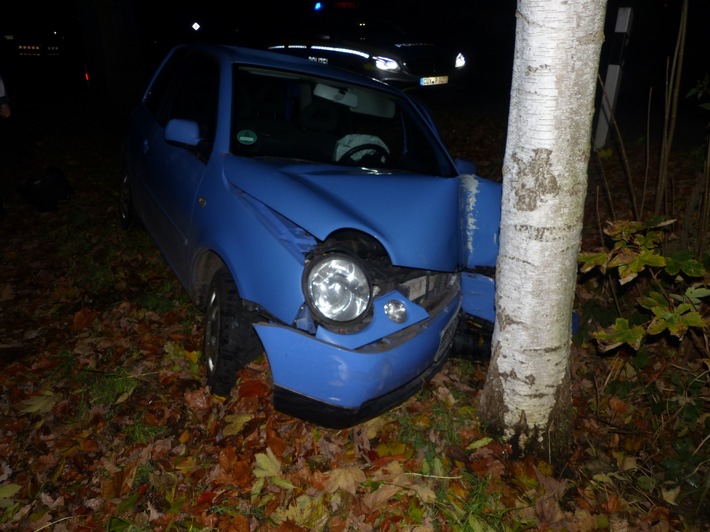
[434,80]
[447,337]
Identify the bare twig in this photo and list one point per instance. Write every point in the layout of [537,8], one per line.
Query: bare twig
[671,112]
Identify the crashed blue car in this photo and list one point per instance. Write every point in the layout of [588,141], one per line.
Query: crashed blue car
[316,216]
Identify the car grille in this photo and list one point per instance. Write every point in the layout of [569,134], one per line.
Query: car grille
[429,65]
[425,288]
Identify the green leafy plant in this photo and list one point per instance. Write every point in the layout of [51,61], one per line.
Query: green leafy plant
[664,287]
[701,91]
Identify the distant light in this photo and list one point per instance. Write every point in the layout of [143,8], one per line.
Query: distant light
[460,61]
[195,26]
[318,6]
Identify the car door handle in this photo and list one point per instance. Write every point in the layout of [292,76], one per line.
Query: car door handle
[201,201]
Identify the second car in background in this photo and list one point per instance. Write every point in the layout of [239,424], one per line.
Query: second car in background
[374,47]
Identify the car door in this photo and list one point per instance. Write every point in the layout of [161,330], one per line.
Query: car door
[174,172]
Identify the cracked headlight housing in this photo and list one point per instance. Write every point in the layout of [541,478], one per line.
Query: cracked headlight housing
[337,288]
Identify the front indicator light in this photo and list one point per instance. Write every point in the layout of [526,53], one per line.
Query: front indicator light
[396,311]
[460,61]
[337,288]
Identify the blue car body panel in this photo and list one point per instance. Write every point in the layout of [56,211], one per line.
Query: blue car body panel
[380,326]
[327,372]
[479,206]
[423,234]
[264,217]
[478,295]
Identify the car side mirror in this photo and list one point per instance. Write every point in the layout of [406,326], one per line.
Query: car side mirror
[185,132]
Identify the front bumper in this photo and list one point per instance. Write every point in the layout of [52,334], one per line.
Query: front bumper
[337,386]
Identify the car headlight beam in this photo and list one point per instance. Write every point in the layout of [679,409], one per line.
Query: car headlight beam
[460,61]
[386,63]
[337,288]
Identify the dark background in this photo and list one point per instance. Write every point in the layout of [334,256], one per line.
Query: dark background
[118,43]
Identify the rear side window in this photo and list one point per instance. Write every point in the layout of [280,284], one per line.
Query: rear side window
[160,88]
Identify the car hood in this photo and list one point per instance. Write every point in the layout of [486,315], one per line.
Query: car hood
[415,217]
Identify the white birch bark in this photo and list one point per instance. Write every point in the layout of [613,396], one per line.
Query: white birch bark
[526,398]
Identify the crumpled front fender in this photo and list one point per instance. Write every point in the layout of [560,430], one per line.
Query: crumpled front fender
[480,221]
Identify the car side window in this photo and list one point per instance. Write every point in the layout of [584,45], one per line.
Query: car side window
[159,94]
[187,88]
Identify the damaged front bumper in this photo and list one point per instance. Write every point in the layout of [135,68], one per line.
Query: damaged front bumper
[340,380]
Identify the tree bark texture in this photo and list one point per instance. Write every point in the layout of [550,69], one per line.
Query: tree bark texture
[526,398]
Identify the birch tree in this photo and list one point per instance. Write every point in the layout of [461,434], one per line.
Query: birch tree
[526,398]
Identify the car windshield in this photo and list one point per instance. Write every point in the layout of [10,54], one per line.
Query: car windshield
[296,116]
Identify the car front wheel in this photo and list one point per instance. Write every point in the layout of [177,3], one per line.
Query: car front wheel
[230,340]
[125,205]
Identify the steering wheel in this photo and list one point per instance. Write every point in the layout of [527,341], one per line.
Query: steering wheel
[381,155]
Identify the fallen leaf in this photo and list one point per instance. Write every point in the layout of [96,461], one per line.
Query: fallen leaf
[425,493]
[345,478]
[252,388]
[82,319]
[267,465]
[479,443]
[7,293]
[119,484]
[39,404]
[670,495]
[378,499]
[235,423]
[8,490]
[395,448]
[198,400]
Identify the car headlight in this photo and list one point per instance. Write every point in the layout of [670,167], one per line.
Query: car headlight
[385,63]
[460,61]
[337,288]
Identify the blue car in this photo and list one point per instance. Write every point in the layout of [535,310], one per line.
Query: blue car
[315,215]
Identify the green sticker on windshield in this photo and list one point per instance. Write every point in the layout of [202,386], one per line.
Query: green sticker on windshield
[246,136]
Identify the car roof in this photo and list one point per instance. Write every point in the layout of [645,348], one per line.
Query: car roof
[267,59]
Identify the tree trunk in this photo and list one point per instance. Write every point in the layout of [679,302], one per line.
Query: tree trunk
[526,399]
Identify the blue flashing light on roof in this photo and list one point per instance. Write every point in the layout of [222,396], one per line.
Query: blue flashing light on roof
[318,6]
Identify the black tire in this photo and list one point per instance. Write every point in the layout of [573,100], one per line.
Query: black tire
[129,219]
[230,340]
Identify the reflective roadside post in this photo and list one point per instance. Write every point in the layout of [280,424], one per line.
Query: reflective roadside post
[612,81]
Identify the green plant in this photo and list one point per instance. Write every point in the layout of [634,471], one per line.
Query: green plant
[477,510]
[664,288]
[701,91]
[141,432]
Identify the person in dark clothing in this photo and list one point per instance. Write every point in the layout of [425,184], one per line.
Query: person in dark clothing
[4,115]
[4,101]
